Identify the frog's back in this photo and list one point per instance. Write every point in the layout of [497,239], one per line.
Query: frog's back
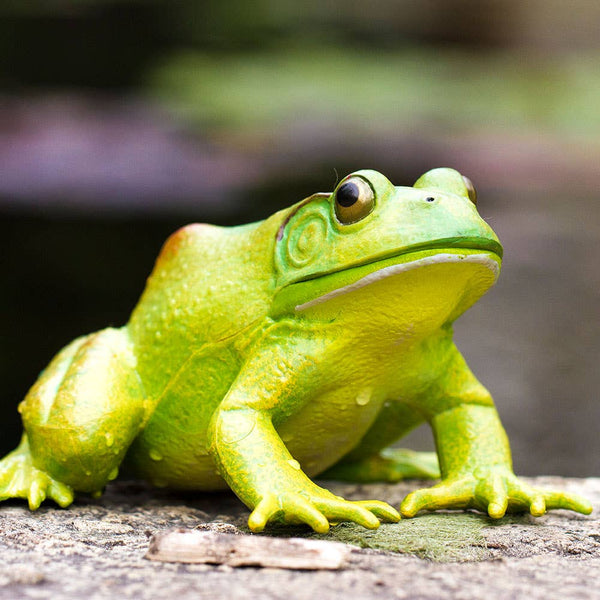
[209,283]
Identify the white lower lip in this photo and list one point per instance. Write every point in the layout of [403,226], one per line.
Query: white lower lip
[482,259]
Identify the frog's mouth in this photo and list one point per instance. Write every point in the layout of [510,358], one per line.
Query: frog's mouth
[396,269]
[444,244]
[322,287]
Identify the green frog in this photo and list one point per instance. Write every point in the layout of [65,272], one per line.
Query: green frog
[262,355]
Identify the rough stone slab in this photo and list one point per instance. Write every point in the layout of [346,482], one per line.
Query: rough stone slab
[95,550]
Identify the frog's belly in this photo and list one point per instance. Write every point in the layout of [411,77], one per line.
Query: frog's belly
[190,469]
[317,436]
[172,450]
[329,426]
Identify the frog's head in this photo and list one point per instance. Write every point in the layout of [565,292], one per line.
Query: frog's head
[368,230]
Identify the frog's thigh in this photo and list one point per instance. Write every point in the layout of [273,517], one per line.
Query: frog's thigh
[85,410]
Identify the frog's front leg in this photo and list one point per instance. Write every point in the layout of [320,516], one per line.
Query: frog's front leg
[252,457]
[474,455]
[79,418]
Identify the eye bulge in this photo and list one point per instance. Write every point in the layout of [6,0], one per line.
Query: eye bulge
[354,200]
[470,189]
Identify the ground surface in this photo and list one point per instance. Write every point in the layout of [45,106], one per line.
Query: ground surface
[96,548]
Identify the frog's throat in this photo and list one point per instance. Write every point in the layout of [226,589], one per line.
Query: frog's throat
[484,259]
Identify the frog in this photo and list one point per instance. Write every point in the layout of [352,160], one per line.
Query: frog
[263,355]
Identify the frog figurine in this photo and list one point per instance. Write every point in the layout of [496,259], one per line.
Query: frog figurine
[261,355]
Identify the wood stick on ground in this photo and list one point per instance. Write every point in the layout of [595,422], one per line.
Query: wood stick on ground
[192,546]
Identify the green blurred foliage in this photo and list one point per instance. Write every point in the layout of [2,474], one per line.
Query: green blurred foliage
[241,65]
[378,91]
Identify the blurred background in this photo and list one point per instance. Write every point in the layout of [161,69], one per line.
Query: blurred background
[121,120]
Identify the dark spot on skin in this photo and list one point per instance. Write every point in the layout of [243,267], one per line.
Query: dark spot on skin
[430,199]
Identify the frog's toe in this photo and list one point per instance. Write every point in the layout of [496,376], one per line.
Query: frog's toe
[567,501]
[300,510]
[492,495]
[342,510]
[36,494]
[444,495]
[36,486]
[61,494]
[294,508]
[20,479]
[538,506]
[319,511]
[264,511]
[523,497]
[382,510]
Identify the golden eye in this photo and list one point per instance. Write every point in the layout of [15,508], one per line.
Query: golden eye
[471,190]
[354,200]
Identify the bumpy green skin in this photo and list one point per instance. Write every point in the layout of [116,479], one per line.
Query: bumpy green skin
[261,355]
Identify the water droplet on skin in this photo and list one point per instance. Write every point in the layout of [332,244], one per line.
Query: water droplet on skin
[21,407]
[110,440]
[157,335]
[364,397]
[155,455]
[88,473]
[113,474]
[294,464]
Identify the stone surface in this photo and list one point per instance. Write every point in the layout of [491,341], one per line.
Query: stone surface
[95,549]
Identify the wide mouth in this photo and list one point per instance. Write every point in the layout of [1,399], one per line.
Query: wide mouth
[474,257]
[485,244]
[299,292]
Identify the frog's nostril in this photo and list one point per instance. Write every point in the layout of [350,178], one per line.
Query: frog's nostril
[430,199]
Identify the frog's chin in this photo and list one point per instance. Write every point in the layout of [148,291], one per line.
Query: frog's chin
[483,259]
[452,277]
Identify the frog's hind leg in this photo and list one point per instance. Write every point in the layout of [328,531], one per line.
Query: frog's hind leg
[389,465]
[80,417]
[19,478]
[371,461]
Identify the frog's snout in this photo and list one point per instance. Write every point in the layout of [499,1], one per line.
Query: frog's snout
[437,217]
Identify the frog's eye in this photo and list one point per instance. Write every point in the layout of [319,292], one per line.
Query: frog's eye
[354,200]
[470,190]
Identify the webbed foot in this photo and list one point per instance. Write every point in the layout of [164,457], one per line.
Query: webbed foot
[20,479]
[319,510]
[390,465]
[494,490]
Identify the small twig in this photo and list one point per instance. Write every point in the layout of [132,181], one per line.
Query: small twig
[193,546]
